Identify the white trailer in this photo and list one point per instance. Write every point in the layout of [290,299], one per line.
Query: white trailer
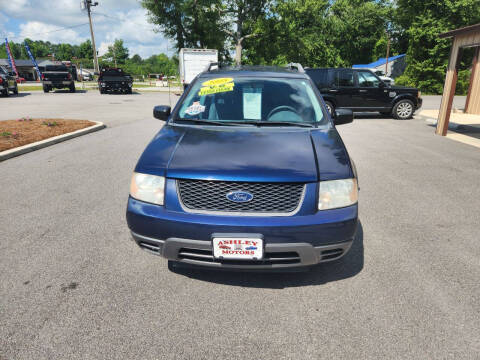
[193,61]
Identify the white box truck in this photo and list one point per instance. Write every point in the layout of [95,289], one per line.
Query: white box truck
[193,61]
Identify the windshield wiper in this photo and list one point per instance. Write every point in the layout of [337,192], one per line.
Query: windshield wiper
[209,122]
[279,123]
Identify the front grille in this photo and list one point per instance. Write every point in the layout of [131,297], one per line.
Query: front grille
[204,195]
[331,254]
[206,256]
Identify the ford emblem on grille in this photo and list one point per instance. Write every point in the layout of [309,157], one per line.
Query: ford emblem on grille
[239,196]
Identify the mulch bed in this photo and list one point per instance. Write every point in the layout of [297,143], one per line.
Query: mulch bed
[14,133]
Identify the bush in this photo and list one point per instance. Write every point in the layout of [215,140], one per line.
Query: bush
[463,82]
[404,80]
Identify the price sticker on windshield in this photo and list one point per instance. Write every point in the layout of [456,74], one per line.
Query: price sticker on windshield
[215,86]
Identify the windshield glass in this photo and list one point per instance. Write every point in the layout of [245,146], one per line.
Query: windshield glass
[244,99]
[56,68]
[113,72]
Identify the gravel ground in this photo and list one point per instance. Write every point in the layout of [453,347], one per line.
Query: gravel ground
[74,286]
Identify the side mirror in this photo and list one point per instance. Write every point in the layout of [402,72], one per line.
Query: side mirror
[382,85]
[343,116]
[161,112]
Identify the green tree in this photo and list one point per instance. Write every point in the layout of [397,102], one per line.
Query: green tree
[422,22]
[85,50]
[190,23]
[117,52]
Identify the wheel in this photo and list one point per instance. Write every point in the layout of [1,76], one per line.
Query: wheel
[403,110]
[15,91]
[72,88]
[330,107]
[102,91]
[6,93]
[129,91]
[46,89]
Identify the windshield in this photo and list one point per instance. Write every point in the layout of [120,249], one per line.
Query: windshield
[245,100]
[113,72]
[56,68]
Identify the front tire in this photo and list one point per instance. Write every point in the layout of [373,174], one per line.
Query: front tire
[72,88]
[46,89]
[403,110]
[330,107]
[15,91]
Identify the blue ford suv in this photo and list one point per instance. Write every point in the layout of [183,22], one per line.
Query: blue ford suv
[248,172]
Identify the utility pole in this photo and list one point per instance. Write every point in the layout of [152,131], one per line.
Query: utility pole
[88,4]
[388,54]
[114,57]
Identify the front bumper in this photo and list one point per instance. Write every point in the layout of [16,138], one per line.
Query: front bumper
[57,83]
[197,252]
[298,240]
[419,103]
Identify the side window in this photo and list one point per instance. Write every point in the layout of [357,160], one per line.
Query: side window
[344,78]
[318,76]
[367,79]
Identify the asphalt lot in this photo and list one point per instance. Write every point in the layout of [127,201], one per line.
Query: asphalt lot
[74,286]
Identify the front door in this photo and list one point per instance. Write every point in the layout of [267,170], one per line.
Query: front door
[371,92]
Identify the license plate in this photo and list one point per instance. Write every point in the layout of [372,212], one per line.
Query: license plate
[238,248]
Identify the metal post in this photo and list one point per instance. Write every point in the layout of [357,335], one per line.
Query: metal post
[388,54]
[88,4]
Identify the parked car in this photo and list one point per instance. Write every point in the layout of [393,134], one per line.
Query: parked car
[114,79]
[362,90]
[57,77]
[247,155]
[7,82]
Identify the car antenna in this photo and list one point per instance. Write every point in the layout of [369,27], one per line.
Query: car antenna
[169,96]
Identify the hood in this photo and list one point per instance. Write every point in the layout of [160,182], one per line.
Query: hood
[246,154]
[403,88]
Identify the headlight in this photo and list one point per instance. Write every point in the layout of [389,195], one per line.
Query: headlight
[103,84]
[148,188]
[337,193]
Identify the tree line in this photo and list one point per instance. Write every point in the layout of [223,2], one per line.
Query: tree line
[323,33]
[82,55]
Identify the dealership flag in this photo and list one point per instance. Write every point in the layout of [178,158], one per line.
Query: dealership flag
[33,60]
[10,57]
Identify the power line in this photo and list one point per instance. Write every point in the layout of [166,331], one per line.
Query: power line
[48,32]
[123,20]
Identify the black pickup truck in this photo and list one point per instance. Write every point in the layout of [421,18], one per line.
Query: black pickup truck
[57,77]
[7,82]
[361,90]
[114,79]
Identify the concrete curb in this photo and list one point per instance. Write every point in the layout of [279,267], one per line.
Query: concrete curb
[7,154]
[433,121]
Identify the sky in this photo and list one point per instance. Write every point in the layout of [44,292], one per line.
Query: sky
[112,19]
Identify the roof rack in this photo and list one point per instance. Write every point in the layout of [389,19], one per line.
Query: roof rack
[297,66]
[209,66]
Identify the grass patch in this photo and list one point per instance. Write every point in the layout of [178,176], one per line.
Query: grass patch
[23,131]
[29,88]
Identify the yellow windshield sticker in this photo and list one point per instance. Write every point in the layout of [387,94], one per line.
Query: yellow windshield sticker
[219,81]
[216,86]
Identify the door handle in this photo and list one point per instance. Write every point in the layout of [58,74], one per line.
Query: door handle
[363,91]
[333,90]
